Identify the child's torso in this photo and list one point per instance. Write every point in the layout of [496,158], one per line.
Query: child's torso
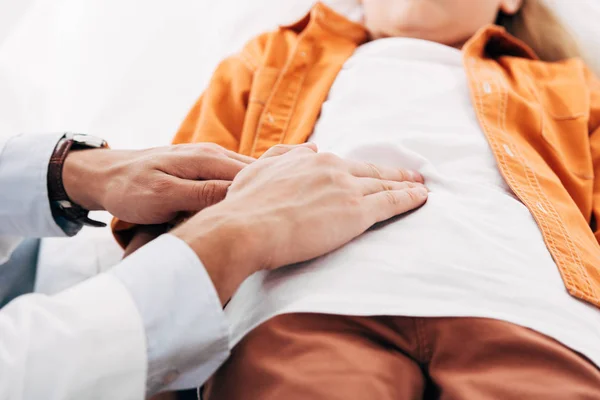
[538,118]
[473,250]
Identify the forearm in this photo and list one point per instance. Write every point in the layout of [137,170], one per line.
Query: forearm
[224,243]
[86,174]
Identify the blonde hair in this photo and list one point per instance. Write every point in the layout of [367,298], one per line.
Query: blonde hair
[537,26]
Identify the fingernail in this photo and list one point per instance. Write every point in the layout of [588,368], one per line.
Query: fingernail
[312,146]
[415,176]
[421,191]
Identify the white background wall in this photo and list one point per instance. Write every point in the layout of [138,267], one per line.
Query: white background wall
[127,70]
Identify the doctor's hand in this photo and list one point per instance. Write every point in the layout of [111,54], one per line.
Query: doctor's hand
[292,205]
[151,186]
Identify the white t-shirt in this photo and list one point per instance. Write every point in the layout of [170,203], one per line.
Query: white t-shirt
[473,250]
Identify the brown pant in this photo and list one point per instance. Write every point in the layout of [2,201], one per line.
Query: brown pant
[316,356]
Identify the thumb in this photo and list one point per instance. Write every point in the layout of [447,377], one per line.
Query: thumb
[281,149]
[197,195]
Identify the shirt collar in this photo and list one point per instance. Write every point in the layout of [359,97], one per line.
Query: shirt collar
[331,21]
[493,41]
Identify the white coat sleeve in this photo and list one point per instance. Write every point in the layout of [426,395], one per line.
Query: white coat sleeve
[154,322]
[87,342]
[24,206]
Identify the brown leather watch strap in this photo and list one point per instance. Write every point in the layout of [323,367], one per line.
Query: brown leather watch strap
[56,189]
[68,215]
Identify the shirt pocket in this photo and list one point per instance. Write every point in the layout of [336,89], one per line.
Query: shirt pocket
[566,100]
[565,109]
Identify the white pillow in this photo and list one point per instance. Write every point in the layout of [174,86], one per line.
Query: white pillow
[581,17]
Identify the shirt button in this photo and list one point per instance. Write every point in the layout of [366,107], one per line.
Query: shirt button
[508,150]
[487,88]
[542,208]
[303,54]
[170,377]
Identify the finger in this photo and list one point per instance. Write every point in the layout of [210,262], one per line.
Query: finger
[387,204]
[368,170]
[371,185]
[207,166]
[197,195]
[281,149]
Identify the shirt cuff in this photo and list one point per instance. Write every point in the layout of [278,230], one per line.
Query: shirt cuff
[187,333]
[25,209]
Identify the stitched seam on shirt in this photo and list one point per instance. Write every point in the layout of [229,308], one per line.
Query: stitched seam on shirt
[502,123]
[510,178]
[276,85]
[291,110]
[246,57]
[553,214]
[261,118]
[574,252]
[550,240]
[567,275]
[245,63]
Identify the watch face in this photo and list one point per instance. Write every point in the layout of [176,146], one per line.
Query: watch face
[88,140]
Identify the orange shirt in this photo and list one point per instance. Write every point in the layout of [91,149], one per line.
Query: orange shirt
[542,121]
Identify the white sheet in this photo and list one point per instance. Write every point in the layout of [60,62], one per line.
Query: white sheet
[129,70]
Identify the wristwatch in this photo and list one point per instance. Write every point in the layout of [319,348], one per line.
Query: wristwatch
[67,214]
